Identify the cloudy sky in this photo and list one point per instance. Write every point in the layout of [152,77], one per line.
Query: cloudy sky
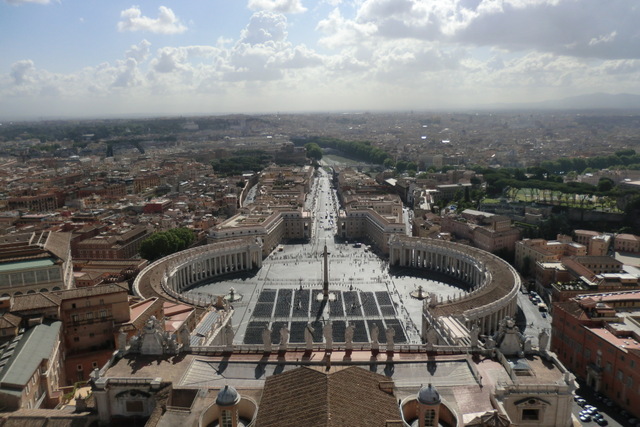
[88,58]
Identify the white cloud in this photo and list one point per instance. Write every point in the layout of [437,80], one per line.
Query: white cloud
[128,74]
[583,28]
[139,52]
[165,23]
[18,2]
[343,32]
[264,27]
[280,6]
[384,54]
[22,71]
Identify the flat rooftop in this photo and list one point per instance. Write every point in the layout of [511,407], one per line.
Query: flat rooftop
[26,265]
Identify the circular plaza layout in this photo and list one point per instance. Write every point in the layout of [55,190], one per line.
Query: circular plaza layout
[374,298]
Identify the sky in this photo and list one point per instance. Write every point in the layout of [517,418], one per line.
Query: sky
[110,58]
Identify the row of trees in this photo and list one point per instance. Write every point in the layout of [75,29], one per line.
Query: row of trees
[623,158]
[240,161]
[163,243]
[535,178]
[360,150]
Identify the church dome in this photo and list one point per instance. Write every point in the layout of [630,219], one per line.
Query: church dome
[228,396]
[428,395]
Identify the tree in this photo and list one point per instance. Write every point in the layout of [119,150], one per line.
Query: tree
[388,163]
[401,166]
[605,184]
[314,151]
[163,243]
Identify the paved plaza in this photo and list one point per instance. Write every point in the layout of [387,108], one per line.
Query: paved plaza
[364,290]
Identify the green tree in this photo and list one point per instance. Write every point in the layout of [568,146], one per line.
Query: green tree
[388,163]
[314,151]
[163,243]
[605,184]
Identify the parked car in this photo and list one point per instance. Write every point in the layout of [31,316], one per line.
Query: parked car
[592,411]
[602,422]
[585,418]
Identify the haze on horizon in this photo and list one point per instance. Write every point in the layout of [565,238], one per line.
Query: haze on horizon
[70,58]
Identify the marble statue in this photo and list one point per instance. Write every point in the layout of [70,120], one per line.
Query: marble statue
[327,330]
[474,334]
[185,339]
[122,341]
[228,335]
[390,333]
[266,339]
[374,337]
[432,336]
[308,336]
[284,338]
[348,336]
[543,340]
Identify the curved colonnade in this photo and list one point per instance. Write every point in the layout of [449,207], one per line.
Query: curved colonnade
[493,283]
[175,273]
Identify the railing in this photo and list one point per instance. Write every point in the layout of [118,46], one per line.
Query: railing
[462,350]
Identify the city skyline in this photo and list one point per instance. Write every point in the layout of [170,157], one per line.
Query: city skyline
[91,59]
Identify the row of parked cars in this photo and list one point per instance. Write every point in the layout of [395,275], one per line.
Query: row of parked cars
[589,412]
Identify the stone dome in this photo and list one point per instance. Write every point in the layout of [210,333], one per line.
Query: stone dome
[228,396]
[429,395]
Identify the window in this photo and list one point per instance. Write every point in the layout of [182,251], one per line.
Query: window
[227,418]
[632,363]
[75,318]
[79,367]
[90,315]
[76,339]
[619,375]
[530,414]
[103,313]
[94,364]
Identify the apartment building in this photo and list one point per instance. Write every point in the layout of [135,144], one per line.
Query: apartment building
[528,252]
[627,243]
[597,243]
[483,230]
[31,368]
[597,336]
[271,227]
[90,318]
[119,243]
